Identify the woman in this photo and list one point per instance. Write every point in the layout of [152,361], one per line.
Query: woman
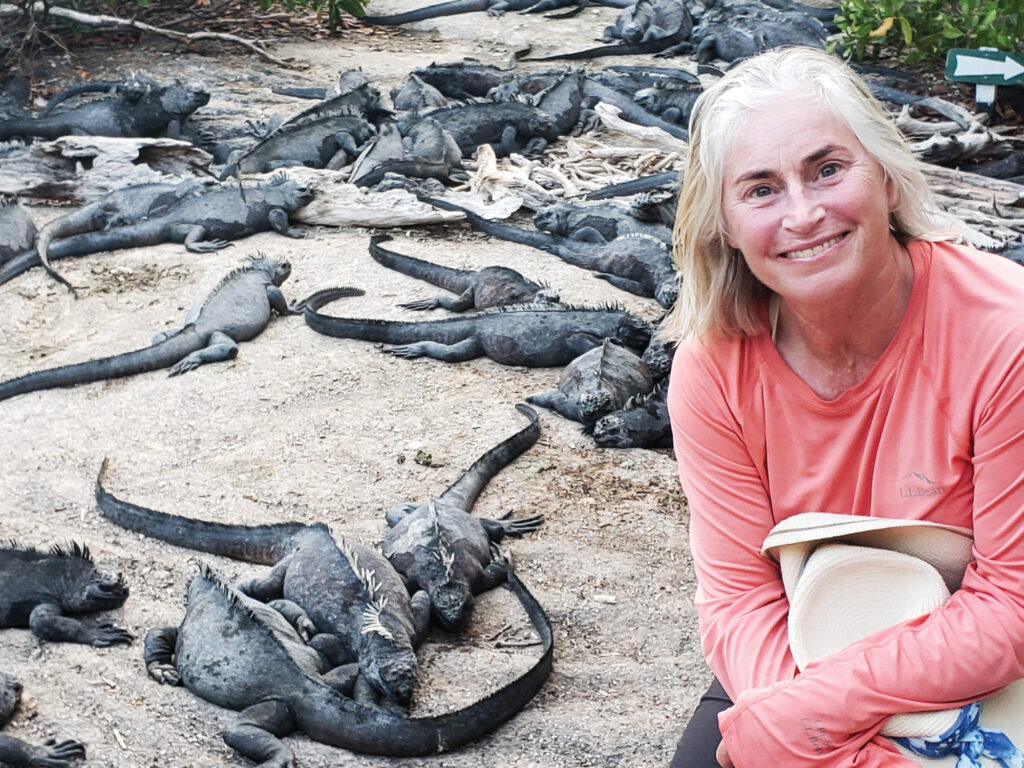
[836,356]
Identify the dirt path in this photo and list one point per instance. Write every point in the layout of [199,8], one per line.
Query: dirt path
[304,427]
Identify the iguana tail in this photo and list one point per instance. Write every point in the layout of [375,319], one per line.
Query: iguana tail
[471,484]
[454,280]
[450,8]
[162,355]
[254,544]
[83,245]
[541,240]
[343,723]
[73,224]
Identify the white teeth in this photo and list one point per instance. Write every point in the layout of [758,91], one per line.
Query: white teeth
[807,253]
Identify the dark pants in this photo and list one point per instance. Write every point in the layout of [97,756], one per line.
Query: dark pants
[696,749]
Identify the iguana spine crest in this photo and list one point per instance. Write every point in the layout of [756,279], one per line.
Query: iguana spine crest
[377,601]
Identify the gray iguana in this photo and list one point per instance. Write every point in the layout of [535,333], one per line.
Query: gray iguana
[642,422]
[594,223]
[638,263]
[327,134]
[476,289]
[646,26]
[118,208]
[15,752]
[358,606]
[17,229]
[438,546]
[596,383]
[532,335]
[156,111]
[233,651]
[203,221]
[46,591]
[237,309]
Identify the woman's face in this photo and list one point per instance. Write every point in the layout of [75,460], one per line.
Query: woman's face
[806,205]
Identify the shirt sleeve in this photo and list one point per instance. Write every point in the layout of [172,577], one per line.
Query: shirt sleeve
[968,649]
[740,599]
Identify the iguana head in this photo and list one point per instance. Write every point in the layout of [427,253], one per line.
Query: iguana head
[452,602]
[595,404]
[553,218]
[182,99]
[288,194]
[10,697]
[276,271]
[85,587]
[392,672]
[666,293]
[634,332]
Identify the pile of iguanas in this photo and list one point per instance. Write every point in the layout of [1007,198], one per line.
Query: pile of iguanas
[338,623]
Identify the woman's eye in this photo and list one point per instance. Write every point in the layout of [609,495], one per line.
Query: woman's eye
[761,191]
[830,170]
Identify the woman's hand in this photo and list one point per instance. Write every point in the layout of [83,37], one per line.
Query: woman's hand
[722,755]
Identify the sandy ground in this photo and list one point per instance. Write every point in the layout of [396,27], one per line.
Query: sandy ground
[305,427]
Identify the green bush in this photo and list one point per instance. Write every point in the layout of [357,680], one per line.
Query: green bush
[926,29]
[332,8]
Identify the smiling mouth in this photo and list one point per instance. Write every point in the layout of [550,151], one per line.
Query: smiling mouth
[810,253]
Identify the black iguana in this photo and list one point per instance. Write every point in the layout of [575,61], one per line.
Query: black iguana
[237,309]
[17,229]
[156,111]
[532,335]
[637,263]
[15,752]
[204,221]
[476,289]
[646,26]
[233,651]
[438,546]
[45,591]
[596,383]
[118,208]
[327,134]
[358,605]
[642,422]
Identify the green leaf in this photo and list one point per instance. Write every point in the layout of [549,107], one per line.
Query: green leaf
[908,33]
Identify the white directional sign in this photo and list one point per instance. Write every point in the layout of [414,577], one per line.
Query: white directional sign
[969,65]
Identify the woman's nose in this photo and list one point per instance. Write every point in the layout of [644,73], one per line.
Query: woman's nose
[804,211]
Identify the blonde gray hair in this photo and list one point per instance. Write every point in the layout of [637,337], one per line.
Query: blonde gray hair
[718,294]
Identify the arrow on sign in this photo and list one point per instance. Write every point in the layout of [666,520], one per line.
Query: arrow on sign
[973,66]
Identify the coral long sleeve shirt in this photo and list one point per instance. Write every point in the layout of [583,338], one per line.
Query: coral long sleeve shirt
[934,432]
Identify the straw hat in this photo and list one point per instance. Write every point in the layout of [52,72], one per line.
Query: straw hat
[848,576]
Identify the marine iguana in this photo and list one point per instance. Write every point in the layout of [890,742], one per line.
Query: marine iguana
[358,606]
[204,221]
[495,8]
[465,79]
[233,651]
[595,223]
[160,111]
[17,229]
[642,422]
[328,134]
[476,289]
[636,263]
[15,752]
[506,126]
[237,309]
[415,95]
[46,591]
[118,208]
[420,149]
[646,26]
[438,546]
[596,383]
[531,335]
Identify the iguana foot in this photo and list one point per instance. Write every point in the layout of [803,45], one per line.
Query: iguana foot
[105,635]
[165,674]
[208,246]
[408,351]
[56,754]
